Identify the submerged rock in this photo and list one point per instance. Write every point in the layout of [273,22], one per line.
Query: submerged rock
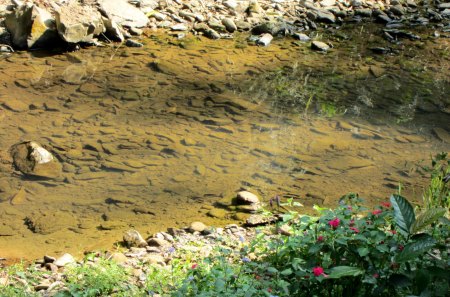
[245,197]
[31,158]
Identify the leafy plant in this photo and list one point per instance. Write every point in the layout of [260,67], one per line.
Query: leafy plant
[438,192]
[104,278]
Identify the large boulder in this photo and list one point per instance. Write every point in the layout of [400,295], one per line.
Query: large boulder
[31,27]
[77,23]
[123,13]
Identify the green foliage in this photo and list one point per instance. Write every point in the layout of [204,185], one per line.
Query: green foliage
[438,192]
[104,278]
[426,218]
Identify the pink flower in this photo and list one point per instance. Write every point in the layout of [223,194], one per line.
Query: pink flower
[318,271]
[376,275]
[377,212]
[350,208]
[386,204]
[334,223]
[354,229]
[194,266]
[352,222]
[393,231]
[400,247]
[320,238]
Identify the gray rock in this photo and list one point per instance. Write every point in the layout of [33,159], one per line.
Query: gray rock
[325,16]
[397,10]
[326,3]
[64,260]
[133,43]
[265,39]
[123,13]
[301,36]
[444,5]
[113,31]
[31,27]
[320,46]
[159,16]
[179,27]
[231,4]
[229,24]
[154,259]
[133,238]
[147,6]
[245,197]
[243,26]
[254,9]
[158,242]
[210,33]
[77,23]
[364,12]
[135,31]
[216,25]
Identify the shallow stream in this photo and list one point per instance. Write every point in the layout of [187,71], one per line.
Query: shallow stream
[165,135]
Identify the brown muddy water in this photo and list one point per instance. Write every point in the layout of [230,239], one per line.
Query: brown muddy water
[165,135]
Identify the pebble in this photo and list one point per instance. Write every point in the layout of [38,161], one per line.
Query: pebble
[320,46]
[133,43]
[197,227]
[229,25]
[265,39]
[301,36]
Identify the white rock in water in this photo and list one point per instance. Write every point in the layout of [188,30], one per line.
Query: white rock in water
[265,39]
[247,197]
[40,154]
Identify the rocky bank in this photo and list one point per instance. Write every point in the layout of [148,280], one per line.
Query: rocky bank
[49,24]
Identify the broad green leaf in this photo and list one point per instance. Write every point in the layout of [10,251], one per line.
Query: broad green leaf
[426,218]
[363,251]
[342,271]
[415,249]
[403,213]
[272,270]
[286,271]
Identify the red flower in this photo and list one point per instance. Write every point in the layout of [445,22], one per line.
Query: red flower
[354,229]
[318,271]
[393,231]
[194,266]
[334,223]
[269,290]
[352,222]
[400,247]
[257,277]
[377,212]
[376,275]
[386,204]
[350,208]
[320,238]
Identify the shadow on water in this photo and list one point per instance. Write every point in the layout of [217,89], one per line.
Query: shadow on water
[162,136]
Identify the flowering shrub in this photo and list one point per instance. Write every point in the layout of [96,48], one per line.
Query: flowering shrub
[345,253]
